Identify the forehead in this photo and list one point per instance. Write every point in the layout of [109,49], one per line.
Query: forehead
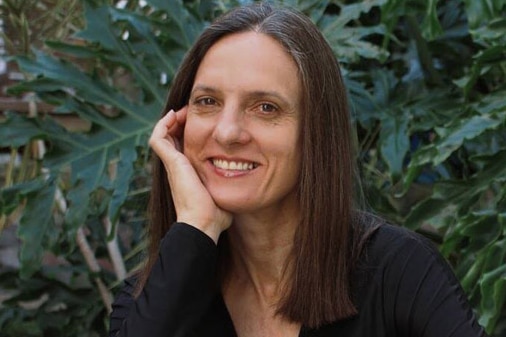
[249,61]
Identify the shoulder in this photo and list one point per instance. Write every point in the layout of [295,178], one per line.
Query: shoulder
[399,258]
[385,241]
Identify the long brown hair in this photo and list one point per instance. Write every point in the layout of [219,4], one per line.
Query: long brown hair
[325,241]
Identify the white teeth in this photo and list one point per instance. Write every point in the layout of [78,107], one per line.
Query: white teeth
[232,165]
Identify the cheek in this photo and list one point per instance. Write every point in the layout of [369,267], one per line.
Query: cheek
[194,136]
[189,136]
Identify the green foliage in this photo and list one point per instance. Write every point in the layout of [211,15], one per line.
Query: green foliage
[427,84]
[48,305]
[27,23]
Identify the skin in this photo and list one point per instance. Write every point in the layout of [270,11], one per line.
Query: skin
[244,107]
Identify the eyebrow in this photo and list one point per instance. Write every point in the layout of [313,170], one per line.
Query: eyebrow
[256,94]
[202,87]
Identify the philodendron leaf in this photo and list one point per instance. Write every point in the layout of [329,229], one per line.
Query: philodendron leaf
[453,136]
[166,62]
[33,225]
[189,26]
[448,193]
[124,170]
[38,84]
[86,175]
[493,297]
[88,155]
[468,281]
[431,28]
[11,137]
[10,197]
[86,87]
[394,140]
[349,13]
[89,172]
[17,130]
[101,29]
[348,41]
[315,9]
[481,12]
[73,49]
[480,228]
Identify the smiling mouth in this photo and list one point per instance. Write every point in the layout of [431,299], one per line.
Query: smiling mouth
[234,165]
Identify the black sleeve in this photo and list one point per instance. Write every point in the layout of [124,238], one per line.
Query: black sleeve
[424,296]
[178,292]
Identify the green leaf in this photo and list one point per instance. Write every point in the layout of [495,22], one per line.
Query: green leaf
[10,197]
[34,223]
[100,29]
[452,192]
[166,63]
[480,12]
[391,11]
[189,26]
[315,9]
[17,131]
[473,274]
[349,42]
[479,224]
[453,138]
[431,28]
[394,140]
[38,84]
[86,87]
[74,50]
[127,156]
[493,289]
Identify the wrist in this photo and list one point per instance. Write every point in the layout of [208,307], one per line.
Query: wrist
[211,230]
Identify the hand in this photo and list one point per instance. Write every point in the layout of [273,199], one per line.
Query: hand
[194,205]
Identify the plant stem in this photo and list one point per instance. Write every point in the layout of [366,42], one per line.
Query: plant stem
[113,249]
[10,168]
[89,256]
[25,162]
[92,263]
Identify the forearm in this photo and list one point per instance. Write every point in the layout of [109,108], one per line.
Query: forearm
[179,289]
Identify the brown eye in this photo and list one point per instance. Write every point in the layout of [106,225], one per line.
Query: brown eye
[267,107]
[206,101]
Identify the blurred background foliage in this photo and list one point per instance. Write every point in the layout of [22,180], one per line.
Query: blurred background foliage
[427,85]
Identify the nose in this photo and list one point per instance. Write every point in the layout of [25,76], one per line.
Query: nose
[231,128]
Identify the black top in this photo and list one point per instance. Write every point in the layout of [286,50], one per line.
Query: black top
[402,288]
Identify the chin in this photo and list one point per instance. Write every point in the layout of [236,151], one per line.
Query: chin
[234,199]
[234,204]
[234,207]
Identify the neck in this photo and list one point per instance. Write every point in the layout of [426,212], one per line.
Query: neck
[260,247]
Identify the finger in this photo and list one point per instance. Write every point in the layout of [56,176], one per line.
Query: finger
[162,126]
[176,129]
[181,115]
[161,141]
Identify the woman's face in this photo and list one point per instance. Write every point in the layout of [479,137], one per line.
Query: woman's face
[241,133]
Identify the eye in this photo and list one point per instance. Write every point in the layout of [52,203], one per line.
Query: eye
[206,101]
[268,108]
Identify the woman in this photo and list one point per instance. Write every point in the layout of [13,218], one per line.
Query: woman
[254,172]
